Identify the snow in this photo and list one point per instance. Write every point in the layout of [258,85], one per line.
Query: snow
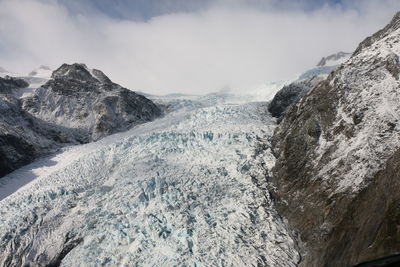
[371,90]
[188,189]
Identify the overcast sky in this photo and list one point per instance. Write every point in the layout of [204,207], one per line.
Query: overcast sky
[187,46]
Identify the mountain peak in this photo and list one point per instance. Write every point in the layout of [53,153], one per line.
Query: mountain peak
[80,72]
[77,71]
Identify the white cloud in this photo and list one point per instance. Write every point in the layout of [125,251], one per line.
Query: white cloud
[236,46]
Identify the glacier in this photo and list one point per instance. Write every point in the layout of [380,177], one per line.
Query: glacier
[188,189]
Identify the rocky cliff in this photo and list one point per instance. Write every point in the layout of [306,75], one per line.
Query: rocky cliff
[24,137]
[290,94]
[87,100]
[337,178]
[76,105]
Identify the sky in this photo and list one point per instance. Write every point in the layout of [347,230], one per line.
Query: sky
[186,46]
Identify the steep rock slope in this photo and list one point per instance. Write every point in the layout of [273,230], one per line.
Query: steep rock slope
[24,137]
[336,177]
[290,94]
[334,59]
[86,100]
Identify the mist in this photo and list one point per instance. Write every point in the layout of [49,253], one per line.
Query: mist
[223,45]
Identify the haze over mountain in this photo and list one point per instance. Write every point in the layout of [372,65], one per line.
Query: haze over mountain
[191,47]
[296,172]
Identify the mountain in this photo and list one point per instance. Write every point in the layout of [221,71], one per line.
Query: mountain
[75,106]
[87,100]
[23,138]
[8,84]
[290,94]
[336,177]
[214,181]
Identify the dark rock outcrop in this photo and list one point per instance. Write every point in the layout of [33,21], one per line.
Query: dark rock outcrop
[24,137]
[7,84]
[336,178]
[290,95]
[391,27]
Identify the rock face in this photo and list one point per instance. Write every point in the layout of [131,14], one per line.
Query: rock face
[15,151]
[24,137]
[291,94]
[75,106]
[86,100]
[337,178]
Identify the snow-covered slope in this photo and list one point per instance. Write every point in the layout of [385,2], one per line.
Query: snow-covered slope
[336,149]
[188,189]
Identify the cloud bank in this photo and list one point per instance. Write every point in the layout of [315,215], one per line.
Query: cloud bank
[226,44]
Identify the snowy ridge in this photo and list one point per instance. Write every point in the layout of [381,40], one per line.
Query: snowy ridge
[187,189]
[374,95]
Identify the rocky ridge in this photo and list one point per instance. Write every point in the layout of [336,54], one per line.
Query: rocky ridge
[336,176]
[75,106]
[7,84]
[87,100]
[290,94]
